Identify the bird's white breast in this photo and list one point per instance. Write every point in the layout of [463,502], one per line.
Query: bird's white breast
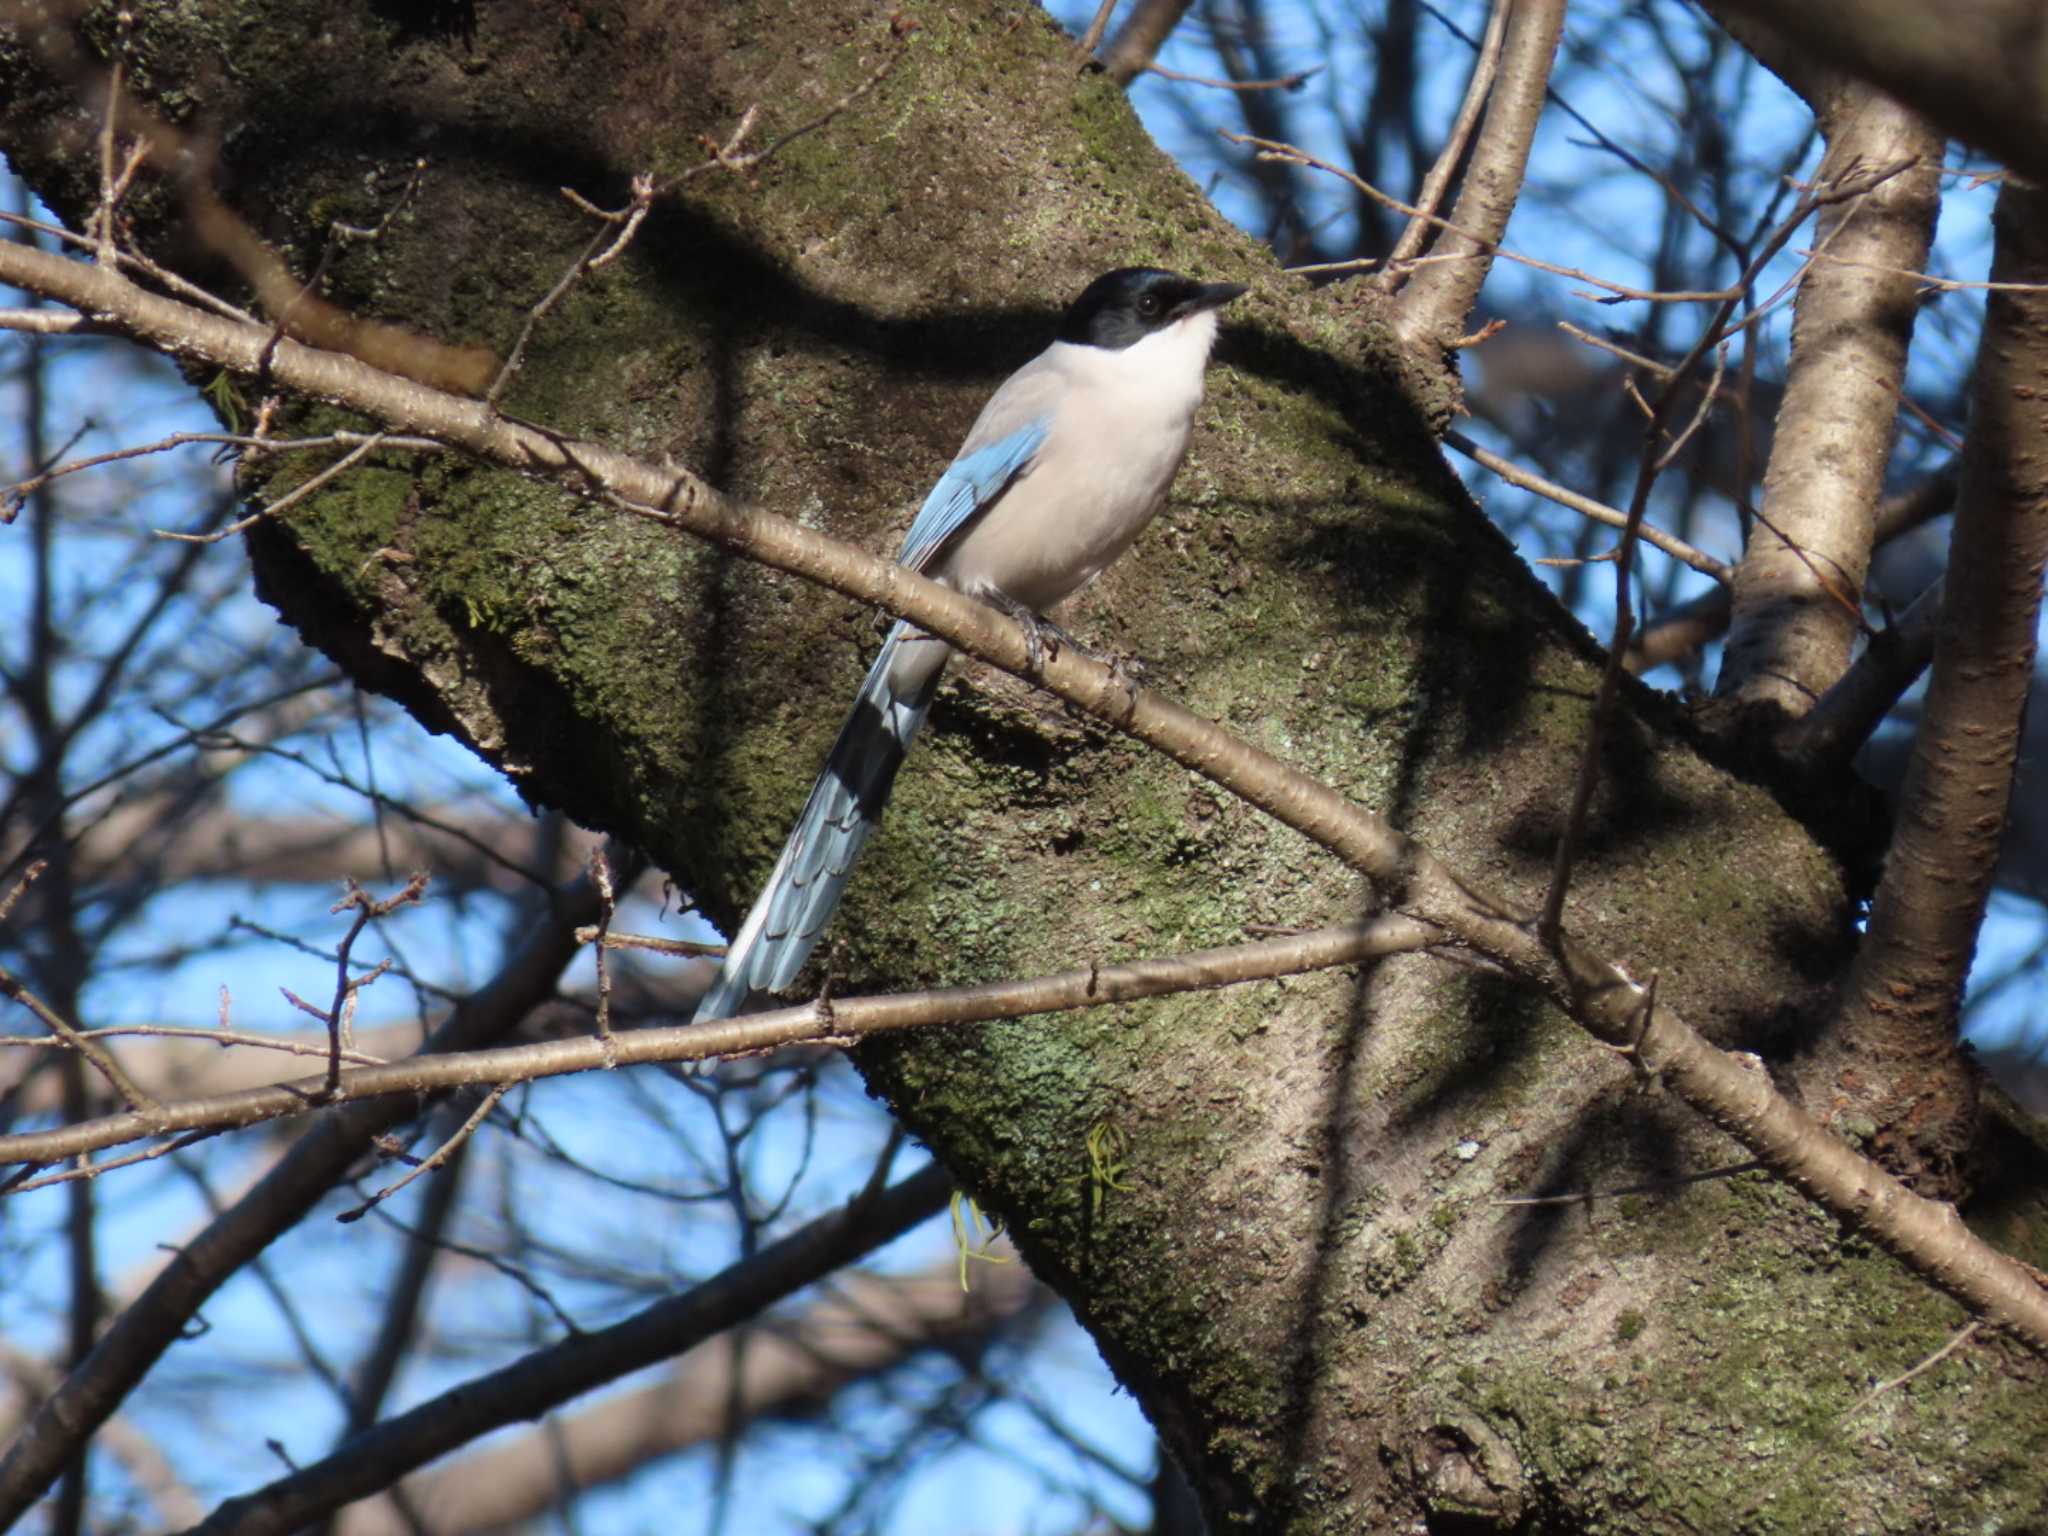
[1121,422]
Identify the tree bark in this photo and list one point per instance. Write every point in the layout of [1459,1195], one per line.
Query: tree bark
[1302,1269]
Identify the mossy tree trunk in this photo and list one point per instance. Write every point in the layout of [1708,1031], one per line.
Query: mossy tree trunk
[1293,1250]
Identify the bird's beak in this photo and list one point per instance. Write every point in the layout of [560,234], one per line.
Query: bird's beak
[1212,296]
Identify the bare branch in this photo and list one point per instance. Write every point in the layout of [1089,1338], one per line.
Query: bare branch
[1097,27]
[340,1014]
[1289,82]
[438,1158]
[138,1102]
[1430,198]
[20,888]
[607,908]
[549,1377]
[44,322]
[1824,739]
[14,495]
[604,248]
[305,488]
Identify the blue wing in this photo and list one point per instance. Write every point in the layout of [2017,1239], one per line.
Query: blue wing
[970,483]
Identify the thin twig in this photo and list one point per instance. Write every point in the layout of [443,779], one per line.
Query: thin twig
[1700,412]
[339,237]
[603,248]
[1962,1336]
[1955,1342]
[1649,365]
[607,245]
[1927,280]
[21,490]
[436,1159]
[1599,511]
[1288,82]
[1653,1187]
[286,502]
[340,1015]
[220,1037]
[20,887]
[686,948]
[902,28]
[607,909]
[132,1094]
[88,1169]
[1919,412]
[102,224]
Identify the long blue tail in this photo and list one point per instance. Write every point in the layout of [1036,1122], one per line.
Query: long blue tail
[844,807]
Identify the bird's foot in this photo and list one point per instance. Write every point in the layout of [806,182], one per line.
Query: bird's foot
[1127,672]
[1044,638]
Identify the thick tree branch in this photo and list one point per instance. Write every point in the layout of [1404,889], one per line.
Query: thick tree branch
[1977,72]
[140,1453]
[1798,592]
[1896,1021]
[1797,603]
[1433,308]
[1138,41]
[1823,741]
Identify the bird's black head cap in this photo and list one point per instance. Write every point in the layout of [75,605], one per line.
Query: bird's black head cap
[1123,307]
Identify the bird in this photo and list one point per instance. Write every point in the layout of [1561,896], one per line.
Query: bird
[1066,464]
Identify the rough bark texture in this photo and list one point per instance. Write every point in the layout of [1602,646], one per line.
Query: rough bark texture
[1302,1270]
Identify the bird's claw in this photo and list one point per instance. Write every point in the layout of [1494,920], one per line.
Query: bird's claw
[1126,672]
[1044,639]
[1034,642]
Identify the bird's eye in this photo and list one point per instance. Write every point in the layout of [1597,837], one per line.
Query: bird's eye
[1148,305]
